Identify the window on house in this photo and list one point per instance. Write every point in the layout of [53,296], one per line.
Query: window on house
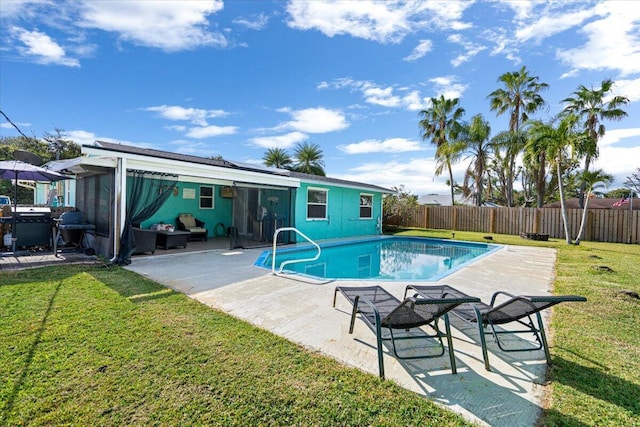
[366,205]
[317,203]
[206,197]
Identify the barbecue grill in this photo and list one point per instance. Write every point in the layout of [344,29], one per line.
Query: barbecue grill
[72,227]
[32,225]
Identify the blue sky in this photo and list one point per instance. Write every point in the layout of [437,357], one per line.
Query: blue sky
[234,78]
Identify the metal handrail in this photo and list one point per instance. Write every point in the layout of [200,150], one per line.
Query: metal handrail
[291,261]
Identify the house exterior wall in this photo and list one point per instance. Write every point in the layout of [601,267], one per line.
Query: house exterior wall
[343,213]
[187,200]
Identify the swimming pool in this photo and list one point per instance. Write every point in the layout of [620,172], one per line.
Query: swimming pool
[381,258]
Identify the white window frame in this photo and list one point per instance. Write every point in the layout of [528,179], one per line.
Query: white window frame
[325,204]
[212,197]
[370,206]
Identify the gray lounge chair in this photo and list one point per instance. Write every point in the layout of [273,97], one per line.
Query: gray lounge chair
[516,308]
[379,309]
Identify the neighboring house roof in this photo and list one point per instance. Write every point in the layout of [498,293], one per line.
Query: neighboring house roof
[604,203]
[439,199]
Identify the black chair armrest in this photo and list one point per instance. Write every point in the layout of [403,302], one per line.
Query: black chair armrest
[180,225]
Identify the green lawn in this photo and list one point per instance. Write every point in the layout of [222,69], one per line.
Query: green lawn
[595,378]
[104,346]
[95,346]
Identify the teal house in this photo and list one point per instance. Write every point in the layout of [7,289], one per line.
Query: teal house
[120,188]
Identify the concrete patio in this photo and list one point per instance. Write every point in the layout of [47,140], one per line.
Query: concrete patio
[301,310]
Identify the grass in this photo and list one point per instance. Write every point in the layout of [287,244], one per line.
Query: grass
[595,377]
[96,346]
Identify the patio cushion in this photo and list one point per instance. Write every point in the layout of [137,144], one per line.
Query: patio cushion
[188,220]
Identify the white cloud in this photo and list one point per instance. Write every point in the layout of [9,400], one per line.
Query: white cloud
[383,22]
[255,22]
[5,125]
[374,94]
[196,116]
[614,136]
[210,131]
[619,154]
[419,51]
[280,141]
[167,25]
[314,120]
[628,88]
[14,8]
[84,137]
[381,96]
[613,42]
[447,87]
[391,145]
[41,48]
[471,49]
[414,101]
[415,174]
[522,9]
[549,25]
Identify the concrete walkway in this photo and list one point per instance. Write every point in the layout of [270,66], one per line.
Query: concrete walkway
[301,311]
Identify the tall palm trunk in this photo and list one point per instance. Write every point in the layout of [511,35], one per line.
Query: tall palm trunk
[451,182]
[563,204]
[541,181]
[583,185]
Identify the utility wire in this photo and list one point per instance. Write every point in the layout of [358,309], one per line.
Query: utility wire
[13,124]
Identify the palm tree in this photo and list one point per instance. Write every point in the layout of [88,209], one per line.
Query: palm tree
[558,142]
[535,160]
[277,158]
[477,144]
[441,124]
[309,159]
[594,181]
[520,97]
[590,106]
[506,146]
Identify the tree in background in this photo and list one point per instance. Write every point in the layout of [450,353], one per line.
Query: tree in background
[592,107]
[506,146]
[477,145]
[60,146]
[441,125]
[558,140]
[594,182]
[277,158]
[633,181]
[400,205]
[309,159]
[520,97]
[39,147]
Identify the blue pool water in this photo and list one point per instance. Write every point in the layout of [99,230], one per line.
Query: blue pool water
[391,258]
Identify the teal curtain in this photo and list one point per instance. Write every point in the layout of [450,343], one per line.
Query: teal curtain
[148,194]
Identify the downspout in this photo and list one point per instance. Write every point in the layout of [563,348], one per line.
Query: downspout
[381,214]
[120,210]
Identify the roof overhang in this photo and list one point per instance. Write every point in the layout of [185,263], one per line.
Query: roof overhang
[186,170]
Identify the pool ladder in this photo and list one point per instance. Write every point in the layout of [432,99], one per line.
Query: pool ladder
[291,261]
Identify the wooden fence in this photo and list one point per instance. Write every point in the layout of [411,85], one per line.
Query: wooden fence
[603,225]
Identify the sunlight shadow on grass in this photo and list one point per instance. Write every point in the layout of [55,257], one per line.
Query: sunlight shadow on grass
[8,407]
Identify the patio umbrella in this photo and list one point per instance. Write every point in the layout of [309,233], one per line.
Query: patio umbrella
[15,169]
